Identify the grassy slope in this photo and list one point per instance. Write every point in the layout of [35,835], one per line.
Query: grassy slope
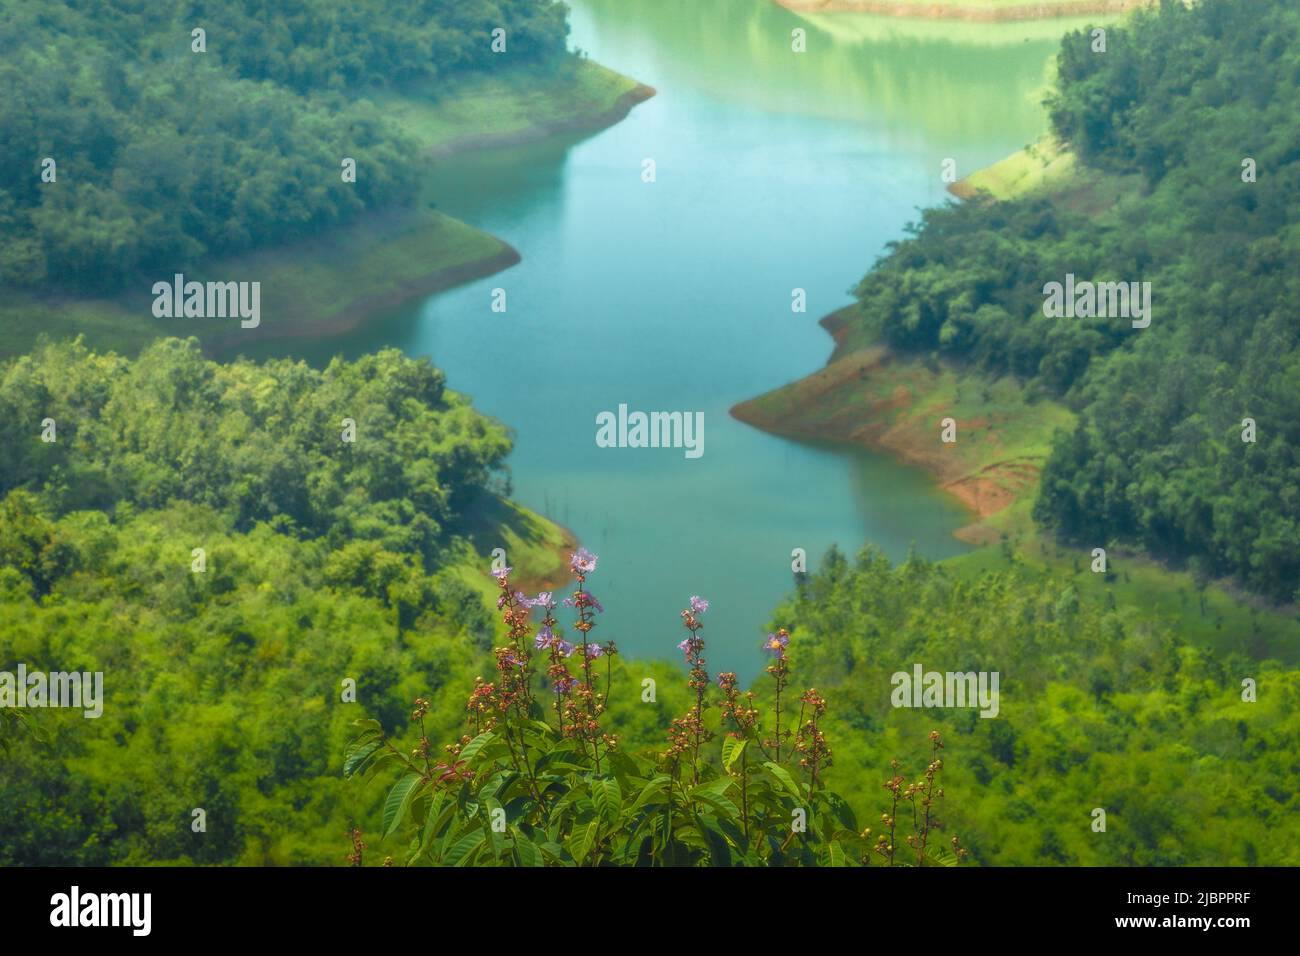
[872,397]
[867,395]
[537,548]
[1047,168]
[316,285]
[1042,165]
[330,282]
[509,107]
[967,9]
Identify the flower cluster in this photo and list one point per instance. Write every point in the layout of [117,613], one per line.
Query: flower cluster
[739,711]
[741,792]
[810,743]
[577,701]
[354,858]
[779,669]
[689,733]
[484,706]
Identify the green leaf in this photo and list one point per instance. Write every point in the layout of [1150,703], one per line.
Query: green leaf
[459,854]
[624,767]
[782,776]
[712,794]
[714,787]
[656,785]
[835,852]
[472,748]
[719,849]
[490,806]
[842,811]
[529,854]
[440,813]
[358,757]
[607,797]
[568,799]
[582,840]
[399,800]
[496,784]
[941,855]
[732,748]
[720,804]
[691,836]
[544,730]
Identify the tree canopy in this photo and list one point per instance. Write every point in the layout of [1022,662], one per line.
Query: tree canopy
[164,155]
[1182,97]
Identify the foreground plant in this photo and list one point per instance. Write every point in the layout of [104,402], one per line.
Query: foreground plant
[540,781]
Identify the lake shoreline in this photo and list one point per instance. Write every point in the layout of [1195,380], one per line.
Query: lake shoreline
[893,404]
[947,11]
[986,484]
[330,284]
[793,423]
[357,312]
[579,123]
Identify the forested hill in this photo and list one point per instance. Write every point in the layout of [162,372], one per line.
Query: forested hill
[1197,106]
[169,145]
[208,537]
[1102,706]
[326,560]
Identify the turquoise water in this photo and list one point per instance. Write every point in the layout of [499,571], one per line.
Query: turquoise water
[774,170]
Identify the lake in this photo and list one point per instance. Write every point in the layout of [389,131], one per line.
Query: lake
[774,170]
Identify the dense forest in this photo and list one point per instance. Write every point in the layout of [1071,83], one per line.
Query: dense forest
[1181,98]
[164,153]
[1102,706]
[1102,710]
[278,569]
[545,777]
[319,556]
[327,560]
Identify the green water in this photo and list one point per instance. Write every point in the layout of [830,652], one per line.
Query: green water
[775,170]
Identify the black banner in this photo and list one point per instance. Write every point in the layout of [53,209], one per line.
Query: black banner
[239,905]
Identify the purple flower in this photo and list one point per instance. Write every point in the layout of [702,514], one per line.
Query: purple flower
[584,598]
[594,651]
[698,604]
[544,637]
[776,643]
[542,600]
[564,685]
[685,646]
[582,562]
[566,648]
[501,573]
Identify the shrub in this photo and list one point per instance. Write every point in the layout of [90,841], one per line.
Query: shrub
[540,781]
